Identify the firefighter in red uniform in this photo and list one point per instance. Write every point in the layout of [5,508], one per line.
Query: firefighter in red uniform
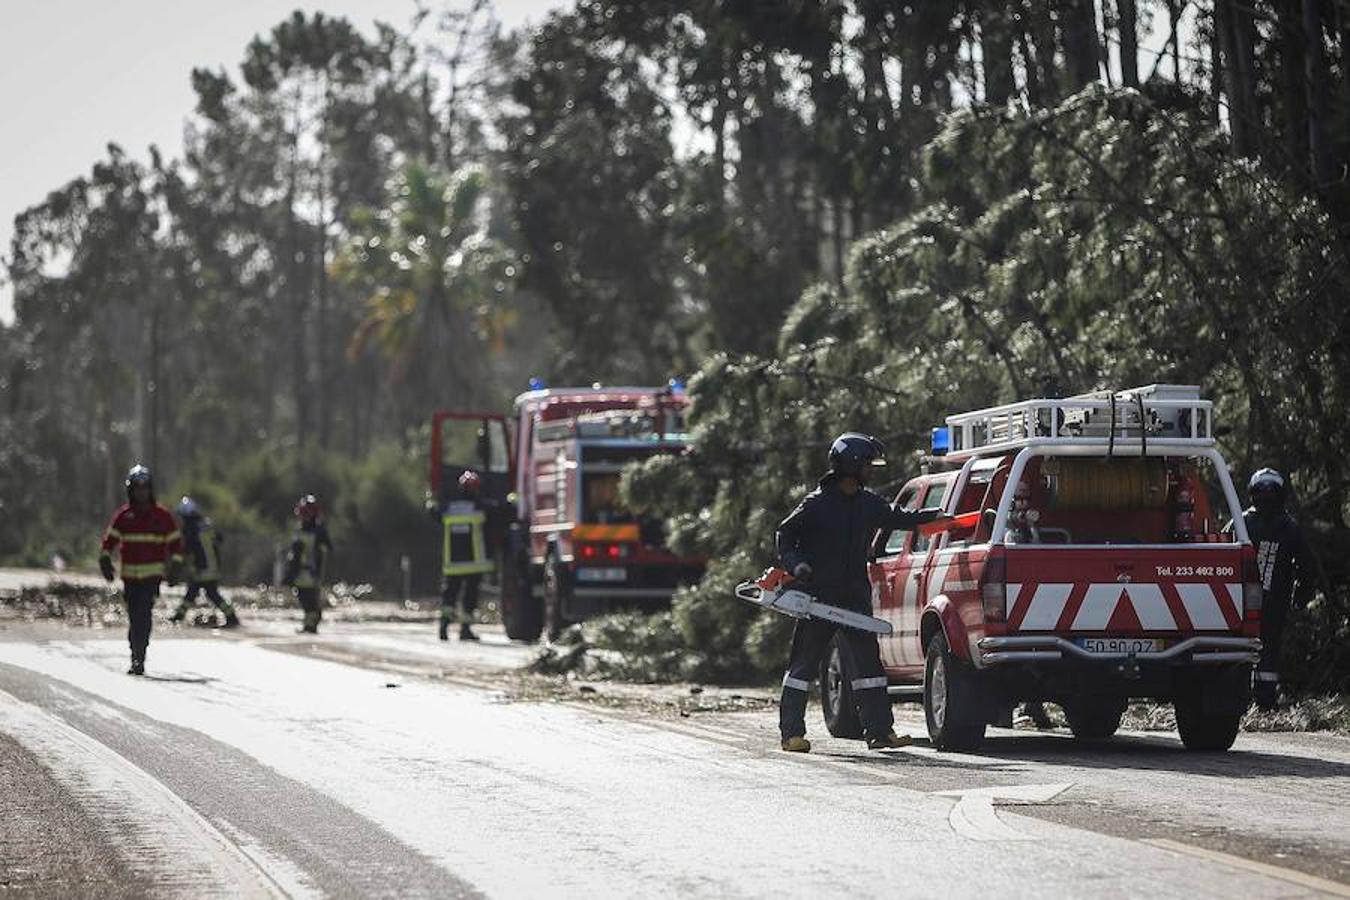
[151,552]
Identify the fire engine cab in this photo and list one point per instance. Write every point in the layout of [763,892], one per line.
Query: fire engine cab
[565,546]
[1096,554]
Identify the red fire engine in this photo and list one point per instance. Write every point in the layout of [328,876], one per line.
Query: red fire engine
[568,549]
[1088,564]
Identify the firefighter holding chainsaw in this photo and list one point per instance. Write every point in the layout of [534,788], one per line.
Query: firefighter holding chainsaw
[825,543]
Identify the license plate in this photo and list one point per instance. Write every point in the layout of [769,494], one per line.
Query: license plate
[607,575]
[1120,645]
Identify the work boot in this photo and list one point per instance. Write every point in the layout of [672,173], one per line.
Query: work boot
[444,631]
[796,744]
[137,667]
[466,633]
[231,620]
[1035,711]
[178,616]
[888,741]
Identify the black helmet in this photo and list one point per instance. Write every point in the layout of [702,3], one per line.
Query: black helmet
[853,453]
[139,474]
[1266,488]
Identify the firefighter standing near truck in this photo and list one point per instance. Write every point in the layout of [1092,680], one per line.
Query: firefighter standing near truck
[825,544]
[201,553]
[307,559]
[465,558]
[151,550]
[1278,540]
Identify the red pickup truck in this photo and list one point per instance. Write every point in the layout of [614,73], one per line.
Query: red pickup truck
[1098,556]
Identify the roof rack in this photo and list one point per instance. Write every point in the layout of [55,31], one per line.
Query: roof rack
[1166,415]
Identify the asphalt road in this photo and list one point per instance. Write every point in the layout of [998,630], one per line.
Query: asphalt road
[376,761]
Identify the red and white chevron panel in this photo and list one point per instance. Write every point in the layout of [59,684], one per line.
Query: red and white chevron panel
[1125,608]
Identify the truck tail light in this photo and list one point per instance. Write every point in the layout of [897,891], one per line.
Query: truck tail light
[994,588]
[1252,591]
[588,551]
[597,552]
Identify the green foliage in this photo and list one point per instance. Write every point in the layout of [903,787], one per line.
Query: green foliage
[1106,242]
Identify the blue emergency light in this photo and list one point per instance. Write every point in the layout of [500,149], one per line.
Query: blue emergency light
[537,384]
[942,441]
[676,385]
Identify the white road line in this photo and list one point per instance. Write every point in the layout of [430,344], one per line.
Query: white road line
[86,767]
[1326,886]
[973,815]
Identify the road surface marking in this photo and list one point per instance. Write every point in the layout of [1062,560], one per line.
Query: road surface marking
[68,752]
[1326,886]
[973,815]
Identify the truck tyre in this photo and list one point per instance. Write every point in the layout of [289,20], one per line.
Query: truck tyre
[1206,733]
[951,699]
[836,694]
[557,585]
[522,613]
[1095,718]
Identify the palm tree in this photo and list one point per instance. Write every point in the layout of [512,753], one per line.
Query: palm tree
[436,280]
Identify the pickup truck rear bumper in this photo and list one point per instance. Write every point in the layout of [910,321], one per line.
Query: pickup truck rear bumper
[1049,648]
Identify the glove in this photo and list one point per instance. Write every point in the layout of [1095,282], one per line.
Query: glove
[106,567]
[931,514]
[802,570]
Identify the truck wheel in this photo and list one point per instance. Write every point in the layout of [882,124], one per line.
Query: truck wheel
[522,613]
[836,694]
[556,588]
[1094,719]
[951,699]
[1206,733]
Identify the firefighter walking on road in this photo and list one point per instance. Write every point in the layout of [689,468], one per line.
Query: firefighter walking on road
[151,550]
[825,543]
[307,559]
[201,551]
[1278,540]
[465,559]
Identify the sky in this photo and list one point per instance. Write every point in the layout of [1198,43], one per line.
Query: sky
[78,74]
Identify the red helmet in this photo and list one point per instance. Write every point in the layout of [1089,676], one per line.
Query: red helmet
[470,482]
[307,507]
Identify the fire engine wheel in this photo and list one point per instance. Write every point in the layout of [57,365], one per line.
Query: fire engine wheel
[1206,733]
[836,695]
[556,587]
[522,613]
[951,699]
[1095,719]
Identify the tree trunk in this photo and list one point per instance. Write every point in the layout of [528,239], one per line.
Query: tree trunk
[996,49]
[1078,32]
[1293,93]
[1127,26]
[1239,115]
[1041,33]
[1318,94]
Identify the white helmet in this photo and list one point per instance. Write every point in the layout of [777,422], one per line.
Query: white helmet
[187,508]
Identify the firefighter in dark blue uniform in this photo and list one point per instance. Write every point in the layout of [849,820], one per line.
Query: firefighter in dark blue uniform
[1278,540]
[201,551]
[825,543]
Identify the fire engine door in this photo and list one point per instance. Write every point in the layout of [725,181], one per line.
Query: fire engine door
[471,441]
[889,574]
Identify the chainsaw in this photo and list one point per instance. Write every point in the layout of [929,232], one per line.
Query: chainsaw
[777,590]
